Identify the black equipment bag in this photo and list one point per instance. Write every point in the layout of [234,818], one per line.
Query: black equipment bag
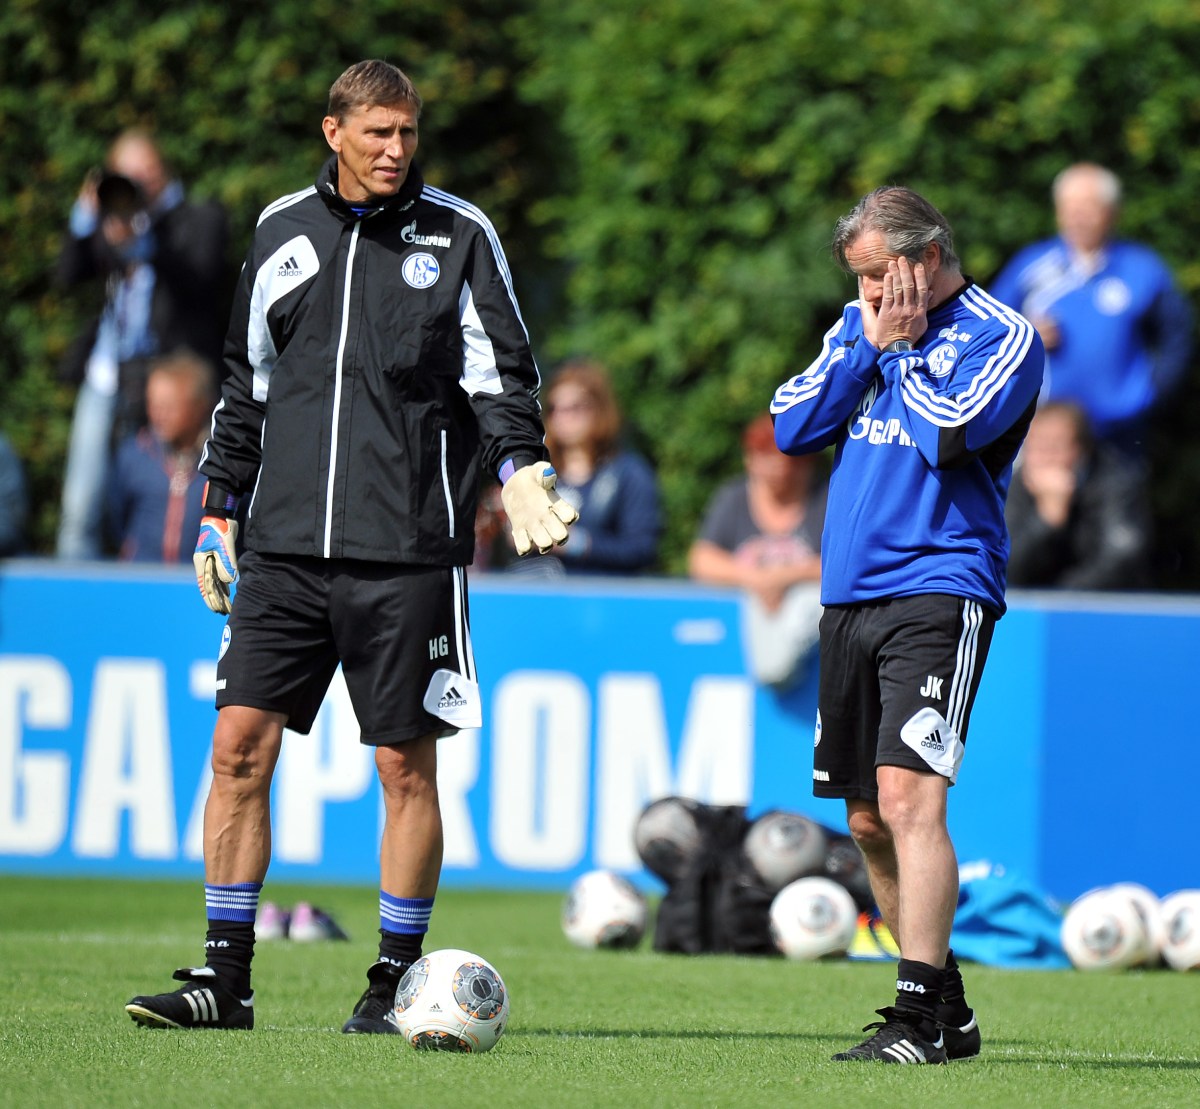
[717,903]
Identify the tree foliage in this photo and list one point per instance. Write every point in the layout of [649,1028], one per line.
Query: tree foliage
[235,94]
[713,146]
[664,176]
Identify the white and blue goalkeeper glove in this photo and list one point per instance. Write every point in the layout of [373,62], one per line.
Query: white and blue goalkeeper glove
[216,561]
[538,515]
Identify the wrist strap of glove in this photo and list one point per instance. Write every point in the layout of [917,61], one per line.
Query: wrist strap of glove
[218,501]
[511,465]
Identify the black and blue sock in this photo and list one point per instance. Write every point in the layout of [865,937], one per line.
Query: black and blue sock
[229,945]
[403,922]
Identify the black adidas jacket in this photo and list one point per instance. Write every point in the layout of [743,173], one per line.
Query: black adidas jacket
[373,365]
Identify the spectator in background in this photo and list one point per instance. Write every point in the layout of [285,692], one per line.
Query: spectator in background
[14,500]
[156,492]
[161,260]
[762,533]
[1116,328]
[1077,510]
[614,489]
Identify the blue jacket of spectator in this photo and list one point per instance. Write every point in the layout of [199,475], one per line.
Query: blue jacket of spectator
[620,519]
[155,496]
[1124,330]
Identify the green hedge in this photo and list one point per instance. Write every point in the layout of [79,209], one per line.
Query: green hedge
[235,93]
[664,176]
[714,145]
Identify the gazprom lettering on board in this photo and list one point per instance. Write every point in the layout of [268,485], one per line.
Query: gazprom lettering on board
[597,698]
[595,703]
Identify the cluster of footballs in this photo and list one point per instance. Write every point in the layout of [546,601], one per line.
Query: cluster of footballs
[818,881]
[1126,925]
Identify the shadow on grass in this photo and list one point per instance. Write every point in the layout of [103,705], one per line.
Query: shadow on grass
[694,1034]
[1102,1064]
[660,1034]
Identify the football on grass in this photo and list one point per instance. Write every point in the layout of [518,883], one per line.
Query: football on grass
[604,909]
[452,1000]
[812,918]
[1181,921]
[1149,908]
[1103,930]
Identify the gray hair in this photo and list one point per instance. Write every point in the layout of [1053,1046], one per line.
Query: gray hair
[1108,184]
[907,221]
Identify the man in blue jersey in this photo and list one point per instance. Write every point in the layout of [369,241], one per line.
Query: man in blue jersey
[1117,329]
[925,387]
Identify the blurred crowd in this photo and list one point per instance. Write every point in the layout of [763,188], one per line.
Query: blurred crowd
[1116,327]
[144,369]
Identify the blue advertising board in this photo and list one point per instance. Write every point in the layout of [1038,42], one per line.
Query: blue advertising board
[597,698]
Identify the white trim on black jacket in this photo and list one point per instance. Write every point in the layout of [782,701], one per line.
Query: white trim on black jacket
[374,365]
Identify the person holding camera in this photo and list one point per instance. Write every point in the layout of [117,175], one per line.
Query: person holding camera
[161,261]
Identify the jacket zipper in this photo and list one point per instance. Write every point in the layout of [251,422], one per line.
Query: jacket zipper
[446,485]
[337,392]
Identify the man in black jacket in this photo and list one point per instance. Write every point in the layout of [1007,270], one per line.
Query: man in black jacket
[376,360]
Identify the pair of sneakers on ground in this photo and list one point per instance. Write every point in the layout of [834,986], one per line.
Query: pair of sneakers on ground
[903,1037]
[202,1002]
[305,923]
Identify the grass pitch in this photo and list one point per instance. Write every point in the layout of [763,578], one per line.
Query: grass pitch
[625,1029]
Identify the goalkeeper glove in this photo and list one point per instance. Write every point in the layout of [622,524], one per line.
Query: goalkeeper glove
[216,561]
[538,515]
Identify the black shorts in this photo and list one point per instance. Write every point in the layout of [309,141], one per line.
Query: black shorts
[401,634]
[897,682]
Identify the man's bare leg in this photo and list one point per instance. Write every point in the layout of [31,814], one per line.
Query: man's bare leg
[411,852]
[410,865]
[237,852]
[237,814]
[912,805]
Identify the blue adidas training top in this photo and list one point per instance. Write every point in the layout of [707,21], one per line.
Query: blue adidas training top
[924,448]
[1124,328]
